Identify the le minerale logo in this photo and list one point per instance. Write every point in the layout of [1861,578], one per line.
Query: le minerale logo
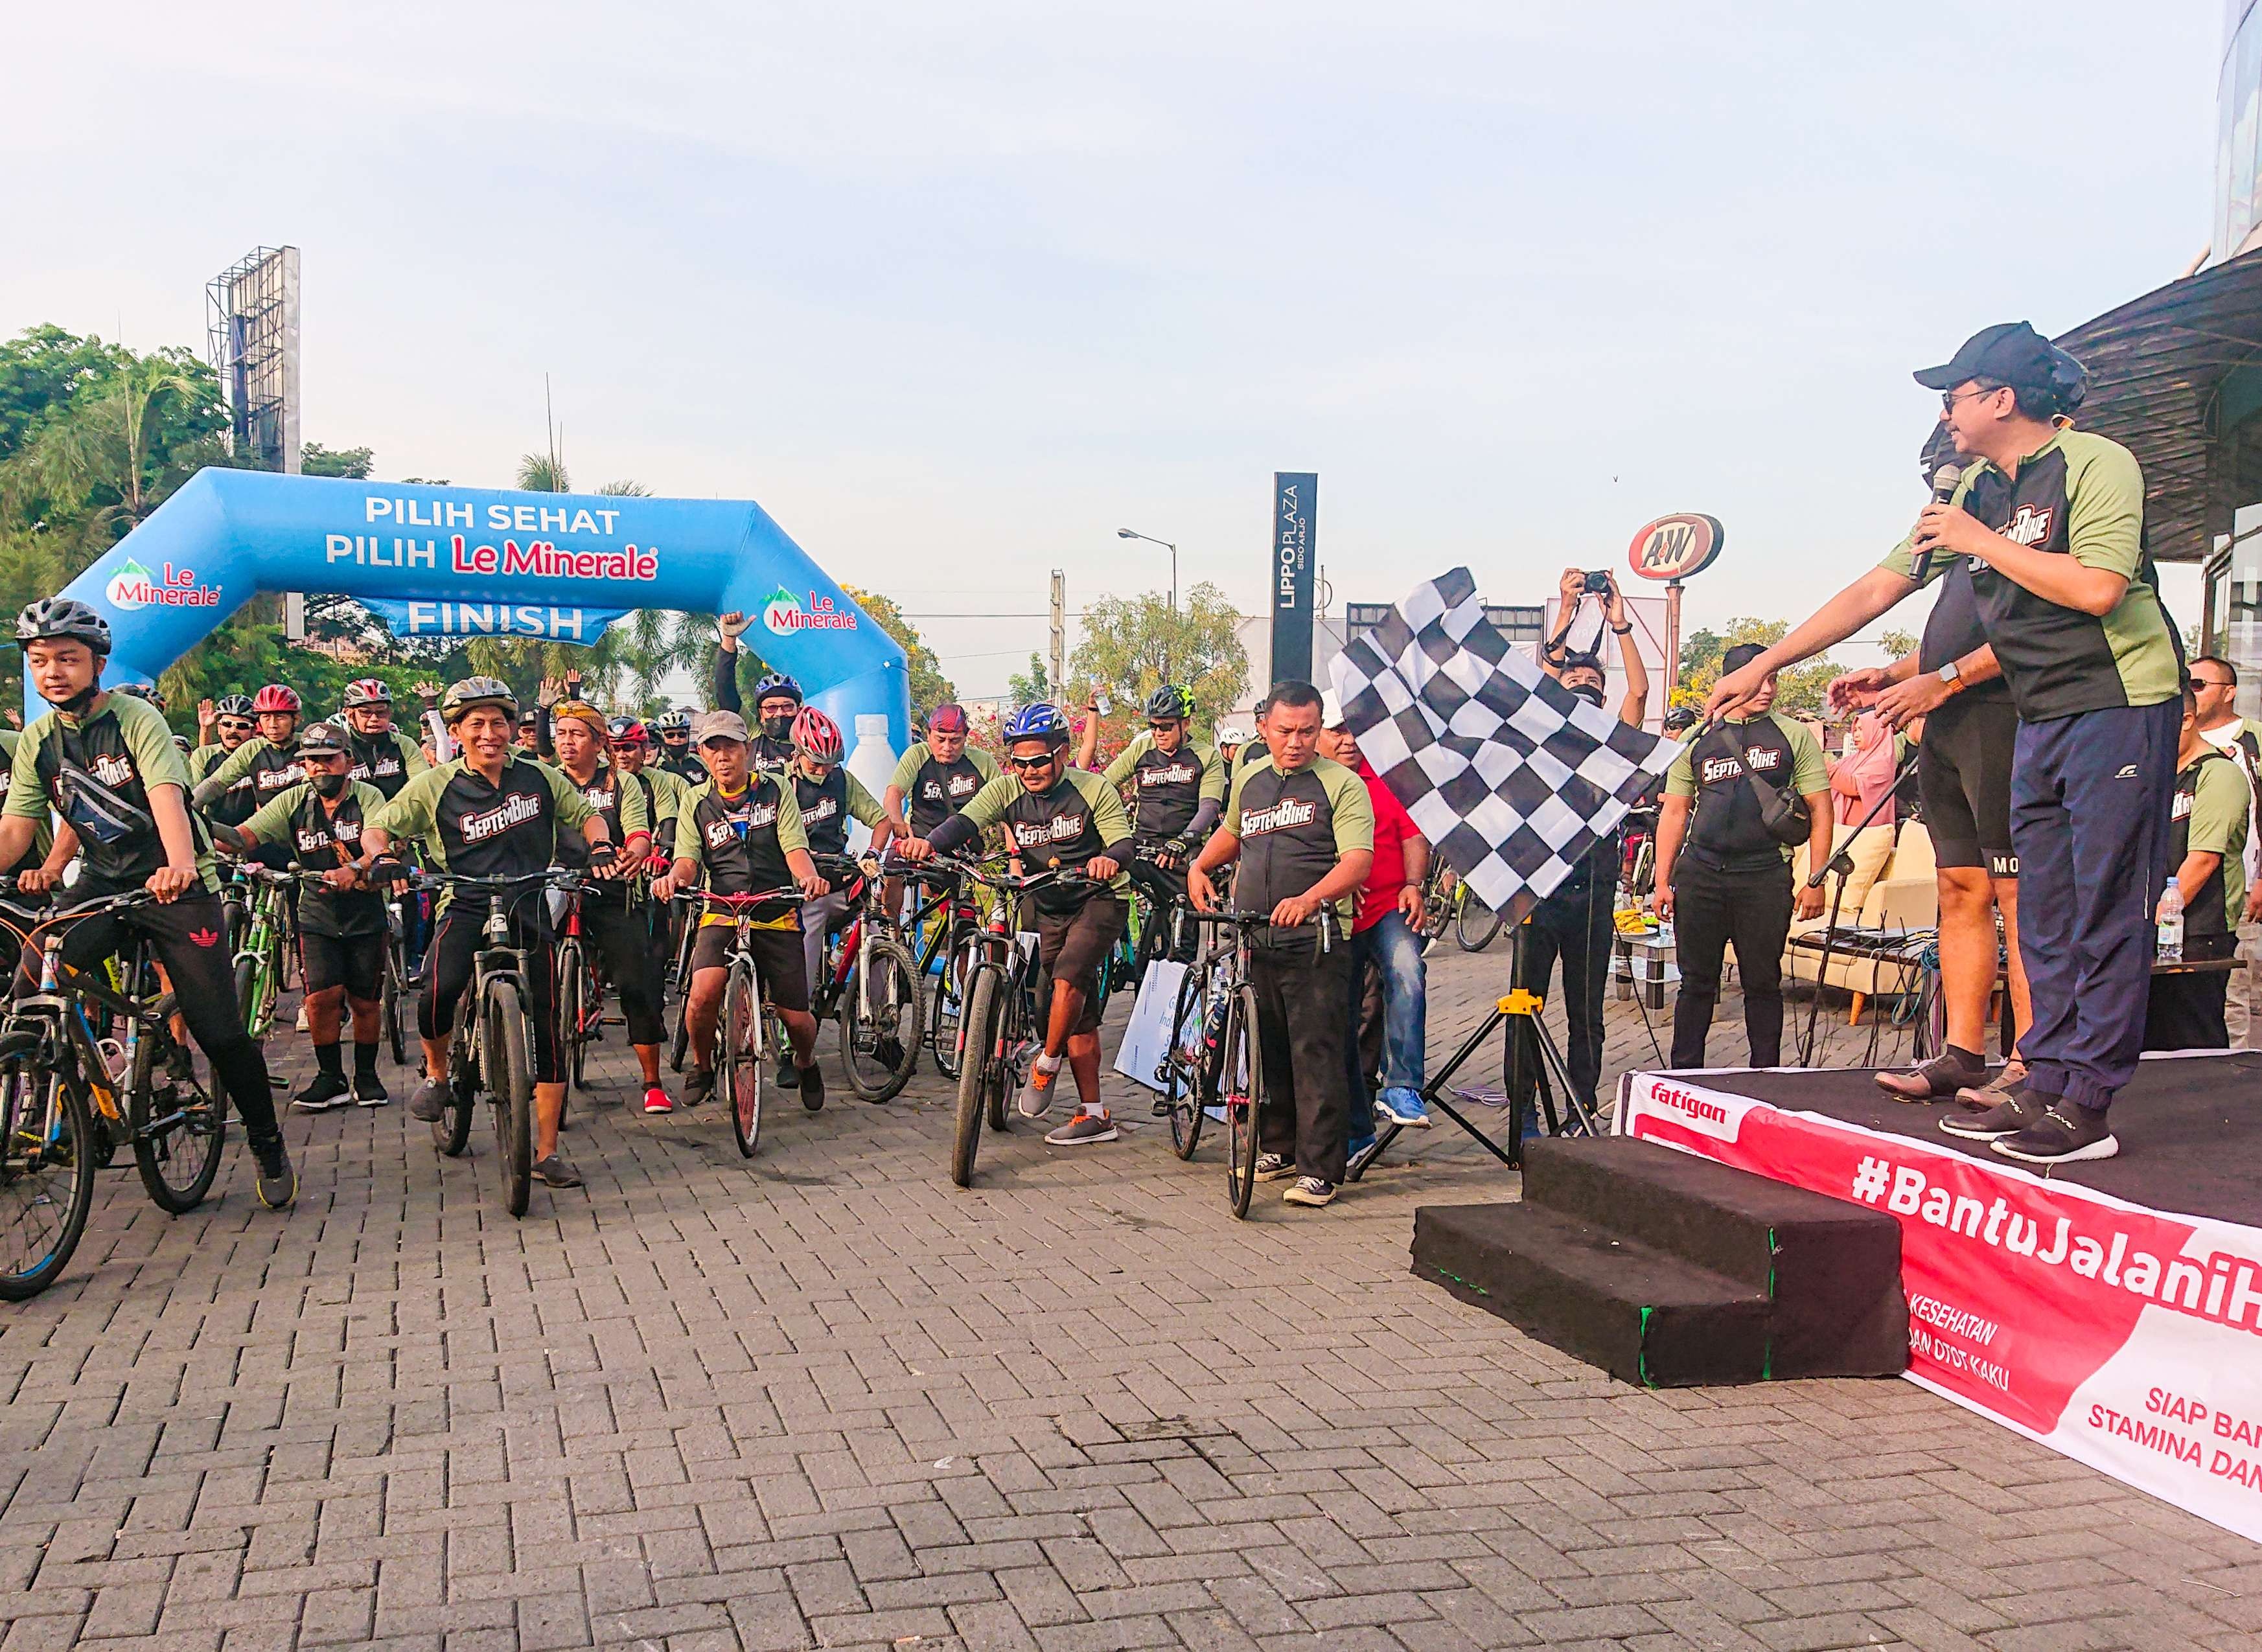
[784,614]
[133,586]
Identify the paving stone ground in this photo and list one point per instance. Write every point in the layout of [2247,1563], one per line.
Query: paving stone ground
[828,1399]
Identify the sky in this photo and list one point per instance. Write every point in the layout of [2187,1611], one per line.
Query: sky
[956,291]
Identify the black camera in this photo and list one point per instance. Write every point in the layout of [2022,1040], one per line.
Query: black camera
[1598,583]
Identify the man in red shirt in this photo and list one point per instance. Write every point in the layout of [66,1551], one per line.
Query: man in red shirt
[1385,944]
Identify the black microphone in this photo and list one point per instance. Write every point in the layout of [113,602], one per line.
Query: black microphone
[1944,482]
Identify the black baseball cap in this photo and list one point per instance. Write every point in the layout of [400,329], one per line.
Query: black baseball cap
[2008,353]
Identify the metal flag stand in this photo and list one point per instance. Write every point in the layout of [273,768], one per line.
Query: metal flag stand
[1520,1011]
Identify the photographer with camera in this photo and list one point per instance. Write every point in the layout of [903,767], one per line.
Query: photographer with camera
[1576,921]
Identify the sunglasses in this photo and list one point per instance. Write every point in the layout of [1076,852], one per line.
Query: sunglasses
[234,725]
[1044,762]
[1950,398]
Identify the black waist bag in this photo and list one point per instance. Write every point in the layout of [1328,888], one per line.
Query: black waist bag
[1784,814]
[96,812]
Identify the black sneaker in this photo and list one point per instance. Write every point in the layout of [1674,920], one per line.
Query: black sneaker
[369,1090]
[429,1102]
[1271,1167]
[698,1087]
[278,1183]
[2065,1135]
[788,1075]
[2012,1111]
[810,1083]
[555,1171]
[320,1093]
[1309,1190]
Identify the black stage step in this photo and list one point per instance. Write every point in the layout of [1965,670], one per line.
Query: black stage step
[1662,1250]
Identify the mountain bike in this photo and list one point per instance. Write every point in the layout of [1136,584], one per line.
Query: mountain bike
[1004,1005]
[1474,923]
[492,1052]
[742,1028]
[259,959]
[941,927]
[60,1112]
[870,986]
[580,1000]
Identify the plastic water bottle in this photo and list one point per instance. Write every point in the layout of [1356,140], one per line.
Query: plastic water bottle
[873,760]
[2170,948]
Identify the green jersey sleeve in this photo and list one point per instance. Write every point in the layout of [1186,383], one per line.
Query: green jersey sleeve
[1109,818]
[270,821]
[1120,771]
[413,760]
[1231,821]
[862,806]
[1809,772]
[26,799]
[2218,816]
[687,804]
[907,769]
[226,771]
[1214,776]
[792,834]
[2104,506]
[986,765]
[413,811]
[1350,805]
[149,737]
[1680,773]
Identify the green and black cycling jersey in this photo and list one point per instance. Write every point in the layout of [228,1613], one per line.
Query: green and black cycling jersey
[236,805]
[1726,828]
[1077,819]
[1167,788]
[933,790]
[126,746]
[828,805]
[1293,828]
[484,829]
[740,840]
[320,839]
[43,835]
[387,761]
[663,791]
[615,799]
[272,769]
[2208,816]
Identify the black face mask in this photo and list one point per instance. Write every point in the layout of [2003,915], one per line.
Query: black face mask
[331,785]
[1591,693]
[779,728]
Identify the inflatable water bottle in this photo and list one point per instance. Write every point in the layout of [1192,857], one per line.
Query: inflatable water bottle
[872,760]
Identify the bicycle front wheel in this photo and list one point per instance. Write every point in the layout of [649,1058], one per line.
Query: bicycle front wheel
[978,1056]
[46,1177]
[573,1011]
[452,1132]
[1474,923]
[388,1008]
[946,1010]
[178,1124]
[1241,1087]
[508,1067]
[880,1023]
[740,1069]
[1185,1067]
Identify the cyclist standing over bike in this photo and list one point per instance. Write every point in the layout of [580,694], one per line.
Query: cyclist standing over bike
[107,763]
[340,925]
[777,700]
[1302,828]
[672,730]
[271,760]
[663,791]
[830,798]
[740,833]
[382,755]
[613,917]
[493,812]
[1058,817]
[938,776]
[1177,792]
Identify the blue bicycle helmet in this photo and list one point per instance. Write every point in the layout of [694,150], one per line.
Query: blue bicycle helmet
[777,682]
[1040,722]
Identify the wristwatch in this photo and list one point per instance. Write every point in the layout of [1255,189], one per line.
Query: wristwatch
[1950,675]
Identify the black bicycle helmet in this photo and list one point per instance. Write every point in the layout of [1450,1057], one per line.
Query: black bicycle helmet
[53,617]
[1170,703]
[150,692]
[777,682]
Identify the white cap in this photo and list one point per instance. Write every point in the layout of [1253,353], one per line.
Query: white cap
[1331,711]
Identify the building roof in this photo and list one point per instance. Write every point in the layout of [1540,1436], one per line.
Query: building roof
[2159,367]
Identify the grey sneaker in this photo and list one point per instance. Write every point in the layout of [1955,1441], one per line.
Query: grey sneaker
[429,1102]
[2063,1135]
[2008,1078]
[1037,1098]
[278,1183]
[1309,1190]
[1081,1130]
[1271,1167]
[2012,1111]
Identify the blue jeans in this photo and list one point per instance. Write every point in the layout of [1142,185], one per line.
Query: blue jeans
[1390,946]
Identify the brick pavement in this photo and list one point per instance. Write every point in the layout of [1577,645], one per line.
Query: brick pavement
[829,1400]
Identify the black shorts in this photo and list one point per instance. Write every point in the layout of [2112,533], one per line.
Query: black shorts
[355,962]
[1071,944]
[777,960]
[455,942]
[1963,773]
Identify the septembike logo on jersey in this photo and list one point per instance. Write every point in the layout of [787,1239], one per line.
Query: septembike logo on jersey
[2031,526]
[1168,774]
[133,586]
[1284,816]
[514,810]
[2226,1290]
[785,613]
[1060,828]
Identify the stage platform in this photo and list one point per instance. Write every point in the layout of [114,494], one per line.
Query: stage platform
[2111,1310]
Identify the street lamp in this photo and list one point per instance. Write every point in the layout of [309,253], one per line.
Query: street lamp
[1125,533]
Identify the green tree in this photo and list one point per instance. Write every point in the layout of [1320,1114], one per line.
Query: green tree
[1898,644]
[929,687]
[1798,691]
[1025,688]
[1132,645]
[354,463]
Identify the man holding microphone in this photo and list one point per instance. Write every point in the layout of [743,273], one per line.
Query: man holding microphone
[2047,524]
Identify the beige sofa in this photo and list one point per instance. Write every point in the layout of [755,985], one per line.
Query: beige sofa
[1893,888]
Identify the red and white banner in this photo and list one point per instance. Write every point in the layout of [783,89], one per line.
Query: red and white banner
[2129,1339]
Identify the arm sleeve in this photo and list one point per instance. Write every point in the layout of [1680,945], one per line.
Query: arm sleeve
[863,808]
[1353,810]
[1809,774]
[2105,510]
[1681,774]
[270,821]
[2218,817]
[792,834]
[1107,811]
[224,773]
[26,799]
[1206,813]
[726,681]
[634,816]
[573,809]
[1120,771]
[409,815]
[908,766]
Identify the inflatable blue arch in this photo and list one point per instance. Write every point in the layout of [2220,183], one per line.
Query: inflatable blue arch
[434,562]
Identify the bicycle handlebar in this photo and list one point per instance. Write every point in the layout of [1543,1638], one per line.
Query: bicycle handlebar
[707,897]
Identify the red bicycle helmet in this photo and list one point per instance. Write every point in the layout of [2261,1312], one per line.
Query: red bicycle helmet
[368,691]
[275,697]
[626,731]
[816,736]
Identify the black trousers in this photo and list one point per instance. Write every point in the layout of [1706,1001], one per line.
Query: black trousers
[1578,929]
[620,935]
[1712,908]
[457,941]
[189,937]
[2185,1012]
[1162,887]
[1303,1035]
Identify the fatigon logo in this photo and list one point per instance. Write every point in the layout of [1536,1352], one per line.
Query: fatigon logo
[784,614]
[133,586]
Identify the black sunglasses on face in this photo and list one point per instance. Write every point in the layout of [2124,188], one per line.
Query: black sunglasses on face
[1044,762]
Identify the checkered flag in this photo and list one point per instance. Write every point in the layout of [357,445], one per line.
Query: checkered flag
[1512,776]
